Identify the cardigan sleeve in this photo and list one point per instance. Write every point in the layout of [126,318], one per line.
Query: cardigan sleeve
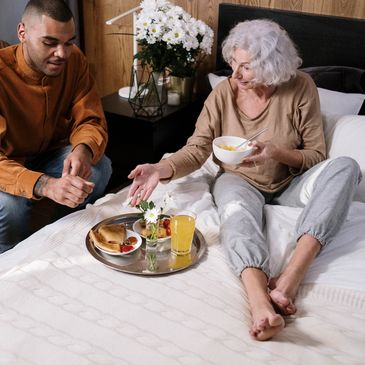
[89,124]
[199,146]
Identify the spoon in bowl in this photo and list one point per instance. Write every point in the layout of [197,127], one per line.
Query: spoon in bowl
[251,138]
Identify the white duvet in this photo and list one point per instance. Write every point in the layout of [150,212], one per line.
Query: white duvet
[59,305]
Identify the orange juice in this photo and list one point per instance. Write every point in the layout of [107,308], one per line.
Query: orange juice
[182,232]
[180,261]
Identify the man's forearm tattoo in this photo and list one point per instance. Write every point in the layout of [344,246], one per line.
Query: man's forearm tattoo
[39,185]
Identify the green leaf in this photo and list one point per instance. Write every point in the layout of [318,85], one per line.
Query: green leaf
[144,205]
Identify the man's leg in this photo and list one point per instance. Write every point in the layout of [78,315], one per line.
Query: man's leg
[14,220]
[52,164]
[100,176]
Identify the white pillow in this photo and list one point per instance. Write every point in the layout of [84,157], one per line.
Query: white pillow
[348,140]
[214,80]
[337,103]
[329,123]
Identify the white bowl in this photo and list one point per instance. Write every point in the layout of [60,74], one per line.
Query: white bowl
[231,157]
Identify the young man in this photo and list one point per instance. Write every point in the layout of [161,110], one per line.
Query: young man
[52,127]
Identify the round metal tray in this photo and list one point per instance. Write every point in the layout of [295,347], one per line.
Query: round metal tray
[147,261]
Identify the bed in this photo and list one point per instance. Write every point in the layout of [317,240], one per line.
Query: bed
[59,305]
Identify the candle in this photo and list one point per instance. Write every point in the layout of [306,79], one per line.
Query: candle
[173,98]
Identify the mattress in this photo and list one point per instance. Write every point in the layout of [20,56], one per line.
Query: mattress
[59,305]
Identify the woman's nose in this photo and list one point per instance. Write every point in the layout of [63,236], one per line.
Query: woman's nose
[236,72]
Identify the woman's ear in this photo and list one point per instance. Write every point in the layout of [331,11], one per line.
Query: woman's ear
[21,32]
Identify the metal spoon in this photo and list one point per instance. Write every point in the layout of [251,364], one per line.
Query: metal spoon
[251,138]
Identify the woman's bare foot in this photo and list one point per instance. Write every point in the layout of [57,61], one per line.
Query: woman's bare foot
[282,293]
[283,303]
[285,287]
[266,324]
[265,321]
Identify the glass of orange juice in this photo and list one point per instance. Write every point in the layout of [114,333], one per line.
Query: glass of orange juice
[182,225]
[177,262]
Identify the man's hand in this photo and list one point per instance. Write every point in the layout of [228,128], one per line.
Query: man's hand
[68,190]
[78,162]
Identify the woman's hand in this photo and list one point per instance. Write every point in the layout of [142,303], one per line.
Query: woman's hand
[145,178]
[263,151]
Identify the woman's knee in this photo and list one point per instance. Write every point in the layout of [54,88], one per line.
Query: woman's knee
[348,166]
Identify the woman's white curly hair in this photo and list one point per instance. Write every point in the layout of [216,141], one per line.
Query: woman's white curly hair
[274,57]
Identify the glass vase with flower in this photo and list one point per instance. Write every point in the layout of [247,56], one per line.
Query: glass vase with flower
[170,38]
[151,218]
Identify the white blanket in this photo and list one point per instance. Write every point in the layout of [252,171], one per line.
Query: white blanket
[61,306]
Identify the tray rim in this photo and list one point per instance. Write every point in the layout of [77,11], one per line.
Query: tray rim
[130,216]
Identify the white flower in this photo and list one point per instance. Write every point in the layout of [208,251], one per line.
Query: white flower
[159,20]
[150,5]
[151,215]
[168,202]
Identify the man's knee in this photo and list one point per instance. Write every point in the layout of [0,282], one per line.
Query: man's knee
[101,173]
[14,220]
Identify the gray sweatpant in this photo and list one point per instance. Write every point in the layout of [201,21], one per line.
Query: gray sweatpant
[325,192]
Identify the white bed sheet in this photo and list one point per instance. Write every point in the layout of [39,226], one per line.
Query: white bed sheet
[61,306]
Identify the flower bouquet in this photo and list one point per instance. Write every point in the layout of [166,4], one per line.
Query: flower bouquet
[171,38]
[154,223]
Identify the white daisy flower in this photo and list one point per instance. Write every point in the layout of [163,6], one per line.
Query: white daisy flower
[152,215]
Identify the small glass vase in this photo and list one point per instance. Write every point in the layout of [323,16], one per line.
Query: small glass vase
[151,255]
[148,92]
[184,86]
[151,242]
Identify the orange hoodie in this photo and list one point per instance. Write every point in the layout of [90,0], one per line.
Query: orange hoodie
[40,113]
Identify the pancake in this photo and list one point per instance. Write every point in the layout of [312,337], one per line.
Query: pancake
[113,232]
[109,237]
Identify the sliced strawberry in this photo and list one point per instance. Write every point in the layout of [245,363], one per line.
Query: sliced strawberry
[126,248]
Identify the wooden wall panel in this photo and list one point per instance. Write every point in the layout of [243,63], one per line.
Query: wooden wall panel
[110,56]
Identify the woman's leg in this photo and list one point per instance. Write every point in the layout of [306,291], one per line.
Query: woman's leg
[240,207]
[325,192]
[285,287]
[265,321]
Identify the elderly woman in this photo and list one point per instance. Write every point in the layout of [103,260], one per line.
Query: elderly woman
[288,167]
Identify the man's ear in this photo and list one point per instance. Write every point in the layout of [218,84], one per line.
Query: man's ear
[21,32]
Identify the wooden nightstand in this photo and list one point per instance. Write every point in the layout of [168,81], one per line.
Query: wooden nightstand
[134,140]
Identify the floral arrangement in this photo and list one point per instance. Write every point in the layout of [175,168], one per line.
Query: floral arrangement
[171,38]
[153,215]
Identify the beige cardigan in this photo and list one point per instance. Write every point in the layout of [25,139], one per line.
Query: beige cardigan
[293,119]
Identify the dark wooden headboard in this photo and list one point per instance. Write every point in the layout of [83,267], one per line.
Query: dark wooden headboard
[321,40]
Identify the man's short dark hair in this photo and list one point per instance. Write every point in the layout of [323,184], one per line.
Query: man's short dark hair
[55,9]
